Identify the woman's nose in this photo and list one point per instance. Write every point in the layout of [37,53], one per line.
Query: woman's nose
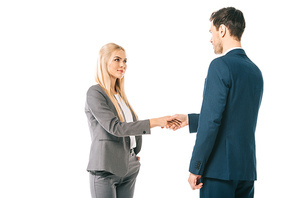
[122,64]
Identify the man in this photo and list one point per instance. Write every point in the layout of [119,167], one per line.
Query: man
[224,158]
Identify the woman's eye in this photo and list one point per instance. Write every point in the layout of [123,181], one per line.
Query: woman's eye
[117,59]
[125,61]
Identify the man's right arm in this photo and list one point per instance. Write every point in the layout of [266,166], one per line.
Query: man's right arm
[193,122]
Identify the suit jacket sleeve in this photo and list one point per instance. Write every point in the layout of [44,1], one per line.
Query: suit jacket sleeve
[100,109]
[193,122]
[214,101]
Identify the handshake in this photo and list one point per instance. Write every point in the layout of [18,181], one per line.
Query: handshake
[174,122]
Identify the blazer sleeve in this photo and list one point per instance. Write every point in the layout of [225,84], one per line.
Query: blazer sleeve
[216,91]
[193,122]
[98,106]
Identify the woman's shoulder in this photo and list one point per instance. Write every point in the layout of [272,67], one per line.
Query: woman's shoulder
[96,89]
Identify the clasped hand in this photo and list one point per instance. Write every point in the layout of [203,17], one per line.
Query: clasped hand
[177,121]
[170,122]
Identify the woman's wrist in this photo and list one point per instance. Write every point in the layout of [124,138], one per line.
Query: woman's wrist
[159,122]
[153,122]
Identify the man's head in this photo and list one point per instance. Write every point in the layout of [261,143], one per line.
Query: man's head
[227,26]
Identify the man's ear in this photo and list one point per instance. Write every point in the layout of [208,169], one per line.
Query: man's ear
[222,30]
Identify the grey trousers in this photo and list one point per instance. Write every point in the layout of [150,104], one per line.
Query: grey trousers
[107,185]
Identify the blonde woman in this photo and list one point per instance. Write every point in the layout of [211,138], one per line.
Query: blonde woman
[116,132]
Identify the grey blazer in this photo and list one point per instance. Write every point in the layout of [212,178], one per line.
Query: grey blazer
[110,147]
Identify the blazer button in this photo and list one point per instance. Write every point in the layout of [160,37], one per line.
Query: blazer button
[144,132]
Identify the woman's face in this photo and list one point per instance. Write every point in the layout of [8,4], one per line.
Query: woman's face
[117,64]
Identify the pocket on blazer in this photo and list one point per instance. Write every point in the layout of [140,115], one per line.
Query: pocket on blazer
[110,140]
[104,136]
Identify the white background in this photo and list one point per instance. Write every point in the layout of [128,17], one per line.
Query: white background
[48,56]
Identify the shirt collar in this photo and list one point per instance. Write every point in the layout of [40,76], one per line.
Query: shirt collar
[232,49]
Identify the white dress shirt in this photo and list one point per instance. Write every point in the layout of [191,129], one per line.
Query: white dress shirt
[232,49]
[128,118]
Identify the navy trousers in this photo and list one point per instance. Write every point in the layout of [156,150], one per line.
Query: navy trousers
[215,188]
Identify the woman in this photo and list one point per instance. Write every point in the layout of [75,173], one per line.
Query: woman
[115,130]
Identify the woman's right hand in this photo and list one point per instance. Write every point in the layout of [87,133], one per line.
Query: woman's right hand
[161,122]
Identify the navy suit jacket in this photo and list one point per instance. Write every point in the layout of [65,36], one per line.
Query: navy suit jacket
[225,140]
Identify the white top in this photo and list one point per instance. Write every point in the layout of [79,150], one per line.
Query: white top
[232,49]
[128,118]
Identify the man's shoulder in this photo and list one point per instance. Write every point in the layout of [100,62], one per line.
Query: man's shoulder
[218,60]
[230,58]
[218,64]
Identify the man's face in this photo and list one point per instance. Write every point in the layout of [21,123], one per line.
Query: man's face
[216,40]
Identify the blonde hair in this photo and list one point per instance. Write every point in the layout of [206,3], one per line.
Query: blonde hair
[103,78]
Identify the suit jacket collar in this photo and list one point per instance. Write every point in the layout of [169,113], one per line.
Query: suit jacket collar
[236,51]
